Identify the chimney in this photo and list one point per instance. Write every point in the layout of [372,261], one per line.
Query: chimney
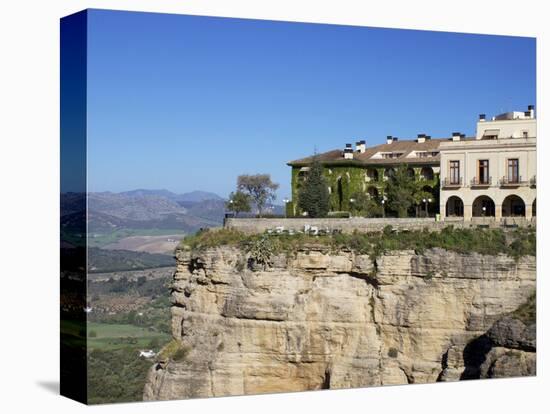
[481,117]
[531,109]
[361,146]
[420,138]
[456,136]
[348,152]
[389,139]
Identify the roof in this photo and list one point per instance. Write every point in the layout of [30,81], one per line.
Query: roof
[405,147]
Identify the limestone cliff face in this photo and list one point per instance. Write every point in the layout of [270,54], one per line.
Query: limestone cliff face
[318,320]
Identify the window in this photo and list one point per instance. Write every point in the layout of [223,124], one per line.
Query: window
[454,172]
[490,134]
[513,170]
[525,134]
[426,154]
[483,171]
[391,155]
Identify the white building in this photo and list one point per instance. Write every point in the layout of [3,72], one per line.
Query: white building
[493,174]
[147,353]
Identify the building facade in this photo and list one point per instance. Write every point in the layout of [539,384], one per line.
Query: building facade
[367,169]
[493,174]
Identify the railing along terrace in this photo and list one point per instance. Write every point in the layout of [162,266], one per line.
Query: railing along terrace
[479,182]
[512,181]
[449,182]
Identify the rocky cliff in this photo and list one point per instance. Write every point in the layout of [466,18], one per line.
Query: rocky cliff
[319,320]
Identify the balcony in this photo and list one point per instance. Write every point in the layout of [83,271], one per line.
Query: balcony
[450,183]
[480,182]
[512,182]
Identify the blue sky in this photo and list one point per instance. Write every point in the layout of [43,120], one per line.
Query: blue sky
[189,103]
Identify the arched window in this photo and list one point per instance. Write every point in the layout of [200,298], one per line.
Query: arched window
[513,206]
[372,174]
[427,173]
[372,192]
[483,206]
[454,207]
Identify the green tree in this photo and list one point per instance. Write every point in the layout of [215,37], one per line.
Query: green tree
[259,187]
[154,343]
[238,202]
[419,195]
[366,205]
[313,196]
[400,191]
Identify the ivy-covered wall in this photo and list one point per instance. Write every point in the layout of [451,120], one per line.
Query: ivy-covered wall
[346,180]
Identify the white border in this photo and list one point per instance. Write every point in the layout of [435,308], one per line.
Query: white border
[29,171]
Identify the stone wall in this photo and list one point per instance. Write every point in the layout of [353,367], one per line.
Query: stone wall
[349,225]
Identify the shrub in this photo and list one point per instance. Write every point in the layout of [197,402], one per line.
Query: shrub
[527,312]
[261,247]
[392,353]
[339,214]
[261,250]
[174,351]
[154,343]
[213,238]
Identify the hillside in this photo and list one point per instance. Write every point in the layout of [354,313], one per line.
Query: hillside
[101,260]
[114,216]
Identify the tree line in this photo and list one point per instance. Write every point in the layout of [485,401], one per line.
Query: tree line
[402,195]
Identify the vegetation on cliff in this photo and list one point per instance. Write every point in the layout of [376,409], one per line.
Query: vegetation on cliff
[527,313]
[116,376]
[514,243]
[174,351]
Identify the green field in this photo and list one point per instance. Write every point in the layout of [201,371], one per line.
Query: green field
[116,373]
[103,239]
[104,336]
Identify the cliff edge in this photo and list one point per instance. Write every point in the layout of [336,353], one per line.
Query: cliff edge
[318,319]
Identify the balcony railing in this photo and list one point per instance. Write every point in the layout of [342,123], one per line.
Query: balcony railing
[451,183]
[512,181]
[480,182]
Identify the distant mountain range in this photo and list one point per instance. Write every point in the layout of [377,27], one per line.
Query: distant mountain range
[141,211]
[193,196]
